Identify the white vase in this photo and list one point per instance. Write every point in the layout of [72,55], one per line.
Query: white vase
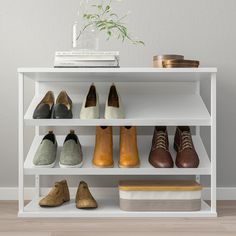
[86,39]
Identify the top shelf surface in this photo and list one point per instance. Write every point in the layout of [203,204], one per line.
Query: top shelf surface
[123,74]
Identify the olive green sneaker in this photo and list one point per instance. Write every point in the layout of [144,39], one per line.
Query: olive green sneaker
[45,155]
[71,154]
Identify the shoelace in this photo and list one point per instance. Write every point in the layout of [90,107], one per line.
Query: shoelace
[160,141]
[186,141]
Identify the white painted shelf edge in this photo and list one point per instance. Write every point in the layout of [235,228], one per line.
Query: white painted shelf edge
[124,74]
[107,208]
[144,145]
[117,70]
[168,109]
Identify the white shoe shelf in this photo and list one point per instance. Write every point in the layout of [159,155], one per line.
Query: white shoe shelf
[152,97]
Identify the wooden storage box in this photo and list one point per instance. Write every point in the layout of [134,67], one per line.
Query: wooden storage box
[181,195]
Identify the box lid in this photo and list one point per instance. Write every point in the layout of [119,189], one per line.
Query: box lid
[160,185]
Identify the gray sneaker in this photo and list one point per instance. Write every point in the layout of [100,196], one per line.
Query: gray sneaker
[45,155]
[71,154]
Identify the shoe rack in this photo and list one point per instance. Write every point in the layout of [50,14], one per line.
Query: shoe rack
[151,97]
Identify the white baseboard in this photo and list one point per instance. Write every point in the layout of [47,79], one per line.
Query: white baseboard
[222,193]
[29,193]
[12,193]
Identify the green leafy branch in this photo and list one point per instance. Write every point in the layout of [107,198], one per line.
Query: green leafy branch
[104,19]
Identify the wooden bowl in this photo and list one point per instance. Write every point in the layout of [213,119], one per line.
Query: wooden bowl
[181,63]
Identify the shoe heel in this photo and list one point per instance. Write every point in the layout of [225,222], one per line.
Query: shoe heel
[66,198]
[66,193]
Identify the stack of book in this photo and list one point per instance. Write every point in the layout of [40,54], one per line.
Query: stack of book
[74,59]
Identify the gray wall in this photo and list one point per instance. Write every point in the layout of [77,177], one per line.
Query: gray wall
[31,31]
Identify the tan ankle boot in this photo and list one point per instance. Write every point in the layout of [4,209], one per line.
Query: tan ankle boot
[57,196]
[103,148]
[129,157]
[84,199]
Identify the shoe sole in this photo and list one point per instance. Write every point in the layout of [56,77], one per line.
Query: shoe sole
[121,166]
[159,167]
[51,206]
[101,167]
[45,166]
[70,166]
[86,208]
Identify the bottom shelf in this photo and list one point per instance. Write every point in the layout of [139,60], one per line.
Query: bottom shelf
[107,208]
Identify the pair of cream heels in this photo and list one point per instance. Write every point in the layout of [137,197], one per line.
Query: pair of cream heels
[113,107]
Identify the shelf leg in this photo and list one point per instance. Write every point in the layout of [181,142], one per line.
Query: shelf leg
[37,131]
[213,142]
[21,141]
[198,179]
[198,92]
[37,185]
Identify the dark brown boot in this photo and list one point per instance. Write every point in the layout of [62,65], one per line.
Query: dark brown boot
[84,199]
[186,155]
[160,156]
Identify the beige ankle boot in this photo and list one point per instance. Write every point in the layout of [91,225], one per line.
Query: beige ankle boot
[84,199]
[57,196]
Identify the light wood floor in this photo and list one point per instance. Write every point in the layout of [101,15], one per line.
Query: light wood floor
[225,224]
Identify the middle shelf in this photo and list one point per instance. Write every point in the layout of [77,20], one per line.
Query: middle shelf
[144,145]
[165,109]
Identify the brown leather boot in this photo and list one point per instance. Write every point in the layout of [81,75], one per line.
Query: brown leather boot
[84,199]
[102,156]
[57,196]
[129,157]
[186,155]
[160,156]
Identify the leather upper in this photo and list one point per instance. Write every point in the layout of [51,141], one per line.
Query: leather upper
[57,196]
[114,108]
[45,107]
[103,147]
[63,107]
[160,156]
[90,106]
[84,199]
[129,156]
[186,154]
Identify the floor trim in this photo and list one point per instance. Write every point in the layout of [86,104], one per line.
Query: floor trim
[11,193]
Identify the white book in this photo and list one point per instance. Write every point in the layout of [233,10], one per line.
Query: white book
[74,64]
[87,58]
[85,61]
[87,55]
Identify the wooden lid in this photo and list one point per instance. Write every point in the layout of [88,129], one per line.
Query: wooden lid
[167,57]
[160,185]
